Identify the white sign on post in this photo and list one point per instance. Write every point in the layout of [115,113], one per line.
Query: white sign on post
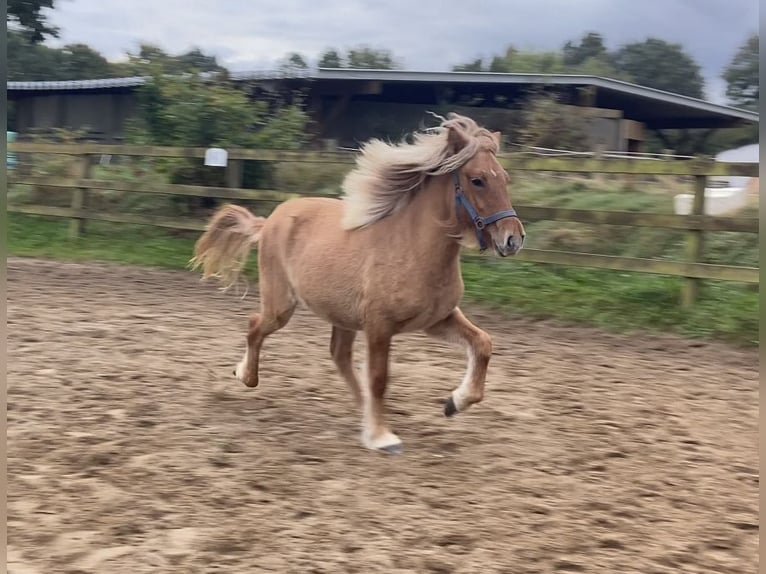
[216,157]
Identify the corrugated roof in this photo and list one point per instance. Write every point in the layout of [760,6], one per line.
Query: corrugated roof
[78,84]
[549,79]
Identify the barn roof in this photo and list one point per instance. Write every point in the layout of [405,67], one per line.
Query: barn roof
[655,108]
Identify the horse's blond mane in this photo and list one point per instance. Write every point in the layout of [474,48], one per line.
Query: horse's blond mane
[387,175]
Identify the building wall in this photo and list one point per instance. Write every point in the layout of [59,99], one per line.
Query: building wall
[362,120]
[103,115]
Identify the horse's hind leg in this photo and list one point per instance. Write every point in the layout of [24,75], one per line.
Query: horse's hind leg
[341,349]
[478,344]
[277,306]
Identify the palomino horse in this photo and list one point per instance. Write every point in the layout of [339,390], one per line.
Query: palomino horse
[384,259]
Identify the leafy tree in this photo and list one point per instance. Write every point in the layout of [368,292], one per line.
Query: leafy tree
[475,66]
[742,75]
[203,112]
[29,15]
[546,122]
[147,59]
[30,61]
[294,61]
[330,59]
[81,62]
[359,57]
[591,46]
[589,57]
[150,57]
[370,58]
[517,61]
[187,112]
[195,59]
[659,64]
[599,66]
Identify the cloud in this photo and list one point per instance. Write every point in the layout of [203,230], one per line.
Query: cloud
[423,34]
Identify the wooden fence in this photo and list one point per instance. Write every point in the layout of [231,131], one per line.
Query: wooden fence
[695,224]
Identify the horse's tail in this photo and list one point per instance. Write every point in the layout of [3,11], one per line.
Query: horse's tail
[223,248]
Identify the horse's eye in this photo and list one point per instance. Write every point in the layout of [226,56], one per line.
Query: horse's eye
[477,181]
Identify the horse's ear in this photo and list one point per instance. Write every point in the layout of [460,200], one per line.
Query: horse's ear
[498,137]
[456,140]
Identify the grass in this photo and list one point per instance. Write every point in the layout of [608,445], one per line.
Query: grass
[607,299]
[33,236]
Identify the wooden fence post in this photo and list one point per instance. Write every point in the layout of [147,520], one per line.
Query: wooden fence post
[80,197]
[695,243]
[234,173]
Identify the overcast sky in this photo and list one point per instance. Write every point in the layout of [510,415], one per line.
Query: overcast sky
[422,34]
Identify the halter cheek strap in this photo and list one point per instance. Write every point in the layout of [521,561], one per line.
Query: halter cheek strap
[479,222]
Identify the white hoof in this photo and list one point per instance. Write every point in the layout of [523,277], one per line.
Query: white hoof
[387,443]
[239,371]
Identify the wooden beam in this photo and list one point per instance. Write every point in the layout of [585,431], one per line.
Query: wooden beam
[512,161]
[639,265]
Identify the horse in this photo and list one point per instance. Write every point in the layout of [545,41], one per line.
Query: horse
[381,259]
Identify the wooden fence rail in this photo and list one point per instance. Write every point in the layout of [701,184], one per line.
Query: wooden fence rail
[695,224]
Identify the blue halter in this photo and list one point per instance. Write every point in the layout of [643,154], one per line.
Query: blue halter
[479,222]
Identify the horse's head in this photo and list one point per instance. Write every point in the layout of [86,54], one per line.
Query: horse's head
[482,200]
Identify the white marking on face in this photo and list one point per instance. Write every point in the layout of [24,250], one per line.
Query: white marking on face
[493,172]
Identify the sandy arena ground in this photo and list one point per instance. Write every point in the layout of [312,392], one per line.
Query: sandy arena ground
[131,448]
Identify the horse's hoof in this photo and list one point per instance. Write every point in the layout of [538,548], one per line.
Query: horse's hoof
[250,384]
[392,449]
[388,443]
[449,407]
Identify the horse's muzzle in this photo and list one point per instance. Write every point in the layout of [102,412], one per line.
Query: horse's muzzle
[512,245]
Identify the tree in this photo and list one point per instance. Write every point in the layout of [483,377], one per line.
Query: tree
[28,61]
[151,57]
[359,57]
[659,64]
[591,46]
[330,59]
[742,75]
[370,58]
[519,62]
[293,62]
[590,57]
[475,66]
[194,111]
[148,58]
[29,15]
[599,66]
[195,59]
[81,62]
[547,122]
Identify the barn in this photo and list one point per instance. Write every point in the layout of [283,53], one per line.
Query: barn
[352,105]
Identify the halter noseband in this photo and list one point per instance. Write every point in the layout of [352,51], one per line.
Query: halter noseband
[479,222]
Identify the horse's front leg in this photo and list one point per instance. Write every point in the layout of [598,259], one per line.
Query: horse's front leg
[375,432]
[478,344]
